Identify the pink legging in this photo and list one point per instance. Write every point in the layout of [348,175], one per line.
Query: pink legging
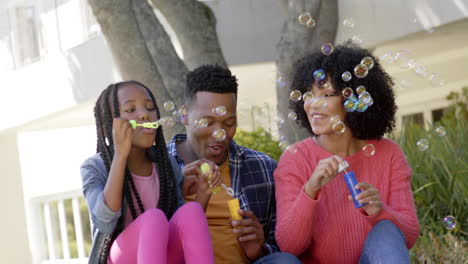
[152,239]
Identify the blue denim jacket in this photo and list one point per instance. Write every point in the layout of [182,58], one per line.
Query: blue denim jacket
[252,181]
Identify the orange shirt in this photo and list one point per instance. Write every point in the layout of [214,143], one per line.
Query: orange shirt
[226,247]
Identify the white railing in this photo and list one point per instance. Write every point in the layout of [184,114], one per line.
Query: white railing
[58,226]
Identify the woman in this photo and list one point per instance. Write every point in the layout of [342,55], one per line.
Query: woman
[347,117]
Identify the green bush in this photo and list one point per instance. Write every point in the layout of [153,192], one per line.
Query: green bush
[259,140]
[440,184]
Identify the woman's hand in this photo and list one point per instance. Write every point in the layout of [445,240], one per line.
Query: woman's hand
[324,173]
[122,133]
[370,195]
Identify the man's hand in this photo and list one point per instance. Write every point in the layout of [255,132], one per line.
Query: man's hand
[250,235]
[196,182]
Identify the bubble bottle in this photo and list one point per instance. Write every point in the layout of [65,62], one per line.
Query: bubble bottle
[350,179]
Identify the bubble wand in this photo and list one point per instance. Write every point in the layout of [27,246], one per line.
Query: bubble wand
[233,204]
[154,125]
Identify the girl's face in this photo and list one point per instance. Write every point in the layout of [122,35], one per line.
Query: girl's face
[135,104]
[326,103]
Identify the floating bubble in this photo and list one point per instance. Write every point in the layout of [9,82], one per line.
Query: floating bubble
[280,82]
[347,92]
[449,222]
[348,22]
[319,75]
[440,131]
[292,149]
[201,123]
[292,116]
[357,39]
[369,150]
[283,145]
[307,96]
[422,144]
[167,121]
[370,103]
[168,106]
[295,95]
[360,89]
[404,84]
[327,49]
[311,23]
[182,111]
[387,58]
[334,119]
[304,18]
[219,110]
[327,85]
[361,106]
[350,105]
[368,62]
[318,102]
[346,76]
[365,97]
[361,71]
[176,114]
[219,134]
[353,98]
[339,127]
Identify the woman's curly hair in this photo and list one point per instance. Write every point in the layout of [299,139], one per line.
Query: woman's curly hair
[373,123]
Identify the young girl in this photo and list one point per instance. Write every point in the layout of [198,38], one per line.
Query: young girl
[131,190]
[317,219]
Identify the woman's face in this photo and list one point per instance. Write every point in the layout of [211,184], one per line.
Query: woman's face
[324,108]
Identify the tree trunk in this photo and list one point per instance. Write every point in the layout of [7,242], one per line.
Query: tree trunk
[195,26]
[143,50]
[296,41]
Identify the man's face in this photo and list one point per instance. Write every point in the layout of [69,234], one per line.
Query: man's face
[200,137]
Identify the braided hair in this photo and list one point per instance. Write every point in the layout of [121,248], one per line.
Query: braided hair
[105,110]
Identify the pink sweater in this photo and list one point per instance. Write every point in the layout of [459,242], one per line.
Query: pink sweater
[329,229]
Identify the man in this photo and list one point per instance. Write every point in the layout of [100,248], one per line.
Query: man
[211,121]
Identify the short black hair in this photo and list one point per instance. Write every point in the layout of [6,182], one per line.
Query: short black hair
[373,123]
[209,78]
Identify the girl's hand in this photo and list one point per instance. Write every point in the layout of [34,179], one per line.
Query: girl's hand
[324,173]
[371,196]
[122,133]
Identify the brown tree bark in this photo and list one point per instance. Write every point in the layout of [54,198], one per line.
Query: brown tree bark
[296,41]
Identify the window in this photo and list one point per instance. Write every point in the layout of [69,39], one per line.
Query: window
[6,53]
[437,115]
[27,34]
[92,26]
[417,119]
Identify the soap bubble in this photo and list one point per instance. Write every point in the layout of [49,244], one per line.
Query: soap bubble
[311,23]
[347,92]
[349,22]
[168,106]
[319,75]
[422,144]
[360,89]
[201,123]
[368,62]
[440,131]
[219,134]
[339,127]
[292,116]
[361,71]
[357,39]
[318,102]
[307,96]
[449,222]
[327,49]
[167,121]
[327,85]
[304,18]
[365,97]
[334,119]
[350,105]
[295,95]
[219,110]
[283,145]
[361,106]
[369,150]
[346,76]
